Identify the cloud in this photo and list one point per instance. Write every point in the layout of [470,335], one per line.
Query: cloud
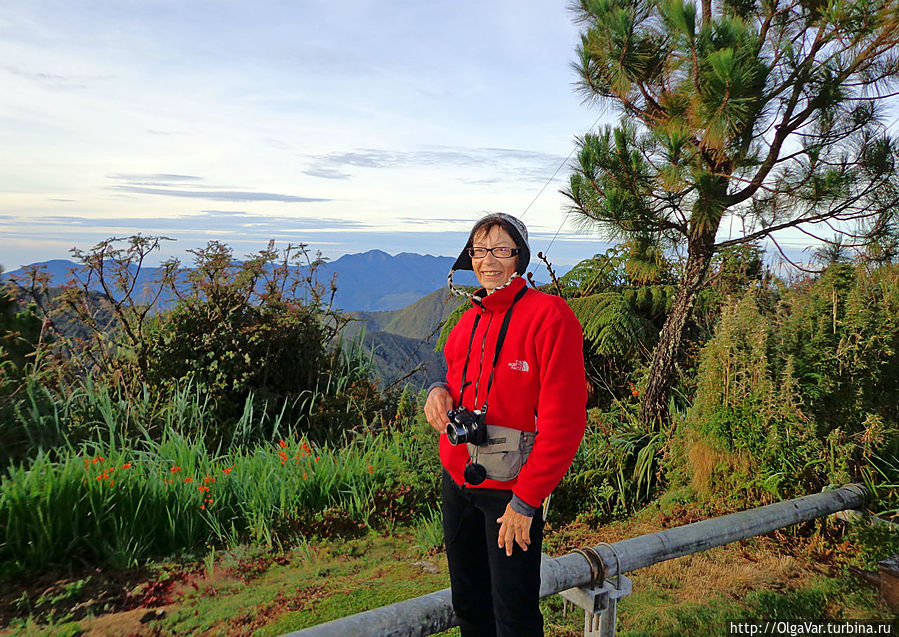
[326,173]
[430,221]
[162,177]
[236,221]
[221,195]
[505,162]
[174,185]
[53,80]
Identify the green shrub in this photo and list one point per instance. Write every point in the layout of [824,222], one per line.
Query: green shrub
[804,388]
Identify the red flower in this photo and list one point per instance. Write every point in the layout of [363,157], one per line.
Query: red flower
[228,470]
[175,469]
[127,465]
[283,444]
[188,479]
[371,469]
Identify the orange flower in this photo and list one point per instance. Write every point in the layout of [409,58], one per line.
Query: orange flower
[202,507]
[188,479]
[99,478]
[175,469]
[283,444]
[305,476]
[208,479]
[111,482]
[371,469]
[228,470]
[317,458]
[635,393]
[127,465]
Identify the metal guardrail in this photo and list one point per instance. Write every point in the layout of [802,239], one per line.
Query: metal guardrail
[433,613]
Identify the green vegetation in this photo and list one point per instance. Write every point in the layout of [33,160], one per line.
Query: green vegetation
[107,505]
[738,120]
[233,431]
[212,428]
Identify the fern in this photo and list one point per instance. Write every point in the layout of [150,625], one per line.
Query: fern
[611,326]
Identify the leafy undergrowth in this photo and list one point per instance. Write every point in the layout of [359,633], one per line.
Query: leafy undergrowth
[800,574]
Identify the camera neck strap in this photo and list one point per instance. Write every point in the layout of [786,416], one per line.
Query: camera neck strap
[499,344]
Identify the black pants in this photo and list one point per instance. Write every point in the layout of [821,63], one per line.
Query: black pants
[493,594]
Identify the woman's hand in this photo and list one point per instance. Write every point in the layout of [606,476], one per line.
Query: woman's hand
[514,527]
[437,404]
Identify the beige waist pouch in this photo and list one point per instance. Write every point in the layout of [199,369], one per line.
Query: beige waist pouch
[504,453]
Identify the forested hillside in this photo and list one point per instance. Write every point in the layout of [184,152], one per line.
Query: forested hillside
[403,341]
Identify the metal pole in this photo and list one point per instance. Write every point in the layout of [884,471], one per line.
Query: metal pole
[433,613]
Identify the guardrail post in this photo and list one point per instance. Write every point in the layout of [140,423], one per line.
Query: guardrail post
[600,604]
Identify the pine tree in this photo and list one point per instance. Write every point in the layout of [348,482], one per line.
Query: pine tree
[764,113]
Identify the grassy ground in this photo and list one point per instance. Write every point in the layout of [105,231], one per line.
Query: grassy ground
[249,591]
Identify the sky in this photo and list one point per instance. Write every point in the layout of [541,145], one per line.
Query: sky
[347,125]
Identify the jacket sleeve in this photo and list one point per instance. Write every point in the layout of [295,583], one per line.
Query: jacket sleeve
[561,408]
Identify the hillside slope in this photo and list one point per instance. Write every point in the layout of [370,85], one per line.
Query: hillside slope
[403,339]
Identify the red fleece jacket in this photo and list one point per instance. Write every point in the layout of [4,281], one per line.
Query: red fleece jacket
[539,384]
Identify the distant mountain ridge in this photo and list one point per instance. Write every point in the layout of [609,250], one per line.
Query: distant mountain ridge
[370,281]
[403,340]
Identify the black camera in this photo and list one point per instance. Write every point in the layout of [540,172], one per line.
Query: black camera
[466,426]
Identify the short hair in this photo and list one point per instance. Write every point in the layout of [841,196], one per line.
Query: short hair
[490,222]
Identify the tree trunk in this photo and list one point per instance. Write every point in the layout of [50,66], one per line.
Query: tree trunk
[654,408]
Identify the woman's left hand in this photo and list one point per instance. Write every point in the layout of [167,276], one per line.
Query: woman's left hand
[514,527]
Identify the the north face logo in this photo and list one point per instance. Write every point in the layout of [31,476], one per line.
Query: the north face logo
[520,366]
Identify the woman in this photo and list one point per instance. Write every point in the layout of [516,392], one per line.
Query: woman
[515,394]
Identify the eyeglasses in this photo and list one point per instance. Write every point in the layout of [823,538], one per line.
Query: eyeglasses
[500,252]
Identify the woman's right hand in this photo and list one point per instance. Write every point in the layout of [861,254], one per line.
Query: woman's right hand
[437,404]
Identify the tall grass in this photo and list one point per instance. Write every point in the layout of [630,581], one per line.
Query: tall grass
[102,503]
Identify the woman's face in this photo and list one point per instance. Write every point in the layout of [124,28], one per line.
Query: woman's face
[491,271]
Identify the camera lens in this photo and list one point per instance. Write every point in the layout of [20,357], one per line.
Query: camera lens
[457,434]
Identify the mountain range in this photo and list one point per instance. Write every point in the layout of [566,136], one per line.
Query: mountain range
[372,281]
[397,305]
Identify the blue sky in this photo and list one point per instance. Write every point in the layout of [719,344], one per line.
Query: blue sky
[347,125]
